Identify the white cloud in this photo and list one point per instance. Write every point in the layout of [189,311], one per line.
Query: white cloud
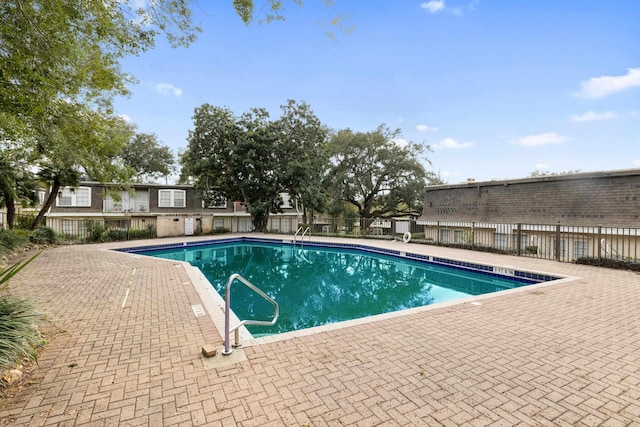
[599,87]
[167,88]
[125,117]
[425,128]
[636,163]
[540,139]
[450,143]
[433,6]
[590,116]
[542,166]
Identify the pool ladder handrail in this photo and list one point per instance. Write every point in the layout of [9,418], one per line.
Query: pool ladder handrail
[302,237]
[227,310]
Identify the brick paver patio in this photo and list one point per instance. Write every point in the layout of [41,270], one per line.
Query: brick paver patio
[563,354]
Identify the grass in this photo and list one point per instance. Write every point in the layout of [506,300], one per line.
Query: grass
[19,335]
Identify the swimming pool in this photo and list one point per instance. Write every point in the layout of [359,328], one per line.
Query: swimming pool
[323,283]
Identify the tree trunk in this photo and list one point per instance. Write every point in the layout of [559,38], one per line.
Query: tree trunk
[55,187]
[11,211]
[260,221]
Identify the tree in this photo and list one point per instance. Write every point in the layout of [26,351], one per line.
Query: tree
[540,172]
[147,158]
[70,49]
[252,158]
[274,12]
[375,174]
[75,142]
[17,185]
[304,140]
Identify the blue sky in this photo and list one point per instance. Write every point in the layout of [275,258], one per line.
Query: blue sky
[497,89]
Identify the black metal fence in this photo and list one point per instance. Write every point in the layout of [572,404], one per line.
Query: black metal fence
[566,243]
[94,230]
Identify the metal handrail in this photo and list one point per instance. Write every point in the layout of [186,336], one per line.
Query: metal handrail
[302,237]
[305,232]
[296,235]
[227,309]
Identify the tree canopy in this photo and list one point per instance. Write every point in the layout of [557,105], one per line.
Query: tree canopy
[375,174]
[254,159]
[147,158]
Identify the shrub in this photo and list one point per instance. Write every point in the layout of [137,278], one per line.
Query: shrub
[114,234]
[19,335]
[147,233]
[10,240]
[94,231]
[619,264]
[43,235]
[220,231]
[24,222]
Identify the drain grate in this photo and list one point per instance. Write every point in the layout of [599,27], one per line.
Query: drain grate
[198,310]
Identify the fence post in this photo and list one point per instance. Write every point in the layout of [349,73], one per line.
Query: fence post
[599,242]
[473,233]
[558,242]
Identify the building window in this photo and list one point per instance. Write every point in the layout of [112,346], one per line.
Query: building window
[580,249]
[275,224]
[286,201]
[66,226]
[70,197]
[286,225]
[171,198]
[219,223]
[458,236]
[500,240]
[563,249]
[445,236]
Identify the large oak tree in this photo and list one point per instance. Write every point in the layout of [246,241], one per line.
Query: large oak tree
[253,159]
[376,174]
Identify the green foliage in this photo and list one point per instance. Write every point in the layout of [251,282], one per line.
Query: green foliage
[42,235]
[619,264]
[12,270]
[94,231]
[23,222]
[114,234]
[253,158]
[19,336]
[531,250]
[375,174]
[10,240]
[147,158]
[220,230]
[147,233]
[540,172]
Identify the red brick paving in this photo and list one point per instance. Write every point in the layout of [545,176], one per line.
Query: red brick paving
[561,355]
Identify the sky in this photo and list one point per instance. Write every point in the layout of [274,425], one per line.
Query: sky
[497,89]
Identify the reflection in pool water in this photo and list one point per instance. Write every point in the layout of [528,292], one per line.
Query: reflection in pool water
[316,286]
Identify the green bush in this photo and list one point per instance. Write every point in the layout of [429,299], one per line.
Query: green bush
[114,234]
[147,233]
[619,264]
[94,231]
[19,335]
[10,240]
[23,222]
[220,231]
[43,235]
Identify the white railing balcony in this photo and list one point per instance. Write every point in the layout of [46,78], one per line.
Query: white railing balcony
[112,206]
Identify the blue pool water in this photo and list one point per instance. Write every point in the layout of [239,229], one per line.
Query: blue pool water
[316,285]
